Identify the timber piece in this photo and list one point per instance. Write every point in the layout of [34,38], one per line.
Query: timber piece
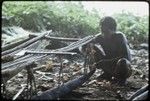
[16,61]
[143,96]
[19,92]
[12,45]
[10,65]
[23,52]
[76,44]
[138,92]
[7,58]
[11,72]
[25,44]
[37,68]
[72,45]
[64,89]
[27,47]
[61,38]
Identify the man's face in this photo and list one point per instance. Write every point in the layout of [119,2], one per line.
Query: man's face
[105,30]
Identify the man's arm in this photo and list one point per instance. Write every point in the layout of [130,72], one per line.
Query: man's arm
[123,46]
[97,41]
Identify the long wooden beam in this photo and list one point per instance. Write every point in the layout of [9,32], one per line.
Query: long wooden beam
[12,45]
[11,72]
[61,38]
[25,44]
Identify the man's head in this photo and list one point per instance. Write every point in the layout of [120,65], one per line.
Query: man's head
[108,25]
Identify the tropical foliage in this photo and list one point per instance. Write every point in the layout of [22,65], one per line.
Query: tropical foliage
[69,19]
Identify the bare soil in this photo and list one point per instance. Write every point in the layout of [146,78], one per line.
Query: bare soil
[90,90]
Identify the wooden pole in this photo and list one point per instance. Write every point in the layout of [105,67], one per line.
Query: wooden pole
[12,45]
[24,44]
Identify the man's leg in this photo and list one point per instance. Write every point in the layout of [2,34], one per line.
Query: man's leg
[107,67]
[122,71]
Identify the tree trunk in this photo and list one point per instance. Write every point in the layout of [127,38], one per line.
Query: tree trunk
[64,89]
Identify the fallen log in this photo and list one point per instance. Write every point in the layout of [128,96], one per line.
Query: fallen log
[25,44]
[12,45]
[64,89]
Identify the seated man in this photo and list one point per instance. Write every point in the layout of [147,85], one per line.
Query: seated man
[116,61]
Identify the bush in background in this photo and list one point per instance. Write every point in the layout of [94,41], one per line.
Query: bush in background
[69,19]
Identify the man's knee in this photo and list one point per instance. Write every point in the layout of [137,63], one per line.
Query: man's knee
[123,62]
[123,69]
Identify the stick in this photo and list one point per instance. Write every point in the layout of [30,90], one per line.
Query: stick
[19,92]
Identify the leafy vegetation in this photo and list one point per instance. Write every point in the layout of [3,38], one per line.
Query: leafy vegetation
[69,19]
[135,27]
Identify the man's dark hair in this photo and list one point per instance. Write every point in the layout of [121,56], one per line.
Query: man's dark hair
[108,22]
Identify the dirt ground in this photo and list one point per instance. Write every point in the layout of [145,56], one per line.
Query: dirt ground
[47,78]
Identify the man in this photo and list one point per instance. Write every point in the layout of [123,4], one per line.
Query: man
[116,61]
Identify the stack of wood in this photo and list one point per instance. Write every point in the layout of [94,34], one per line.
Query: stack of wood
[12,64]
